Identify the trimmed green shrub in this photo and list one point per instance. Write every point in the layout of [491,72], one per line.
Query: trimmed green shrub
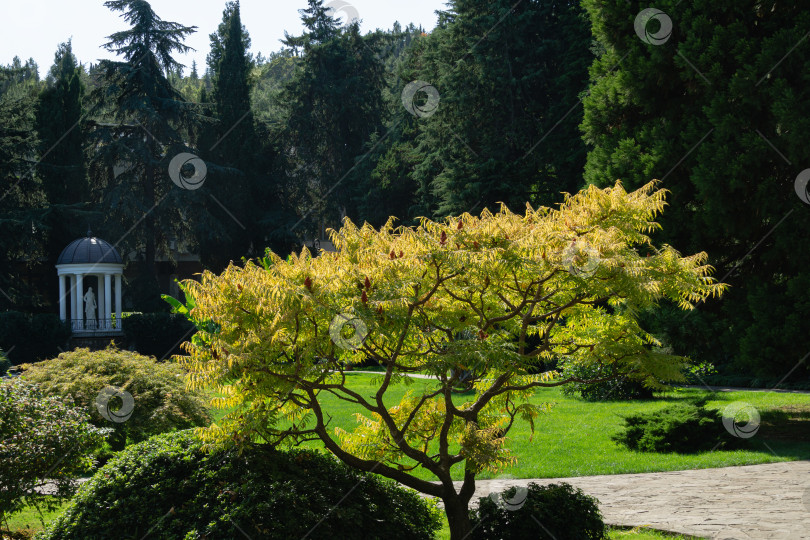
[28,338]
[157,334]
[552,511]
[683,428]
[620,388]
[161,401]
[41,438]
[169,487]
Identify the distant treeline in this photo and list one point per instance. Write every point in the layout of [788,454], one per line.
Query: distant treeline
[502,102]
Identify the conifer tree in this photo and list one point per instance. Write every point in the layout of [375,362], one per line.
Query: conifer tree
[334,106]
[143,125]
[61,144]
[718,110]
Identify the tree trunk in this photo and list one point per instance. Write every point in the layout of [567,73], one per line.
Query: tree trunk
[149,221]
[458,516]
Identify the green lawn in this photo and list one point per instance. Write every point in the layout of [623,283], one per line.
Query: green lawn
[640,533]
[574,438]
[29,518]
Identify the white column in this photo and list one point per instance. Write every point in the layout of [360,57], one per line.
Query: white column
[100,301]
[107,301]
[62,306]
[118,302]
[79,301]
[73,315]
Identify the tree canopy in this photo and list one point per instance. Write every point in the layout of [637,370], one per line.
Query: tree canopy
[495,295]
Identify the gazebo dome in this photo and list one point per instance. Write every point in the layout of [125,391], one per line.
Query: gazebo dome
[89,250]
[86,270]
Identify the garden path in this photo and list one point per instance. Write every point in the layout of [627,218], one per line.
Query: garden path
[762,502]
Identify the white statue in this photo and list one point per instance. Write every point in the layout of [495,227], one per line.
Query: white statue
[90,306]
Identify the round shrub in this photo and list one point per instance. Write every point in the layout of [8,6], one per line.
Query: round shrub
[619,388]
[161,401]
[683,428]
[169,487]
[552,511]
[40,437]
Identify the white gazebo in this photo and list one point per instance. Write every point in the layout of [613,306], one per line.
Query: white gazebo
[87,262]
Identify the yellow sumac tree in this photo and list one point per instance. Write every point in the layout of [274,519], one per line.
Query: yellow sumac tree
[478,300]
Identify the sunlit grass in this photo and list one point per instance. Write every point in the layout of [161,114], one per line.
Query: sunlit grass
[642,533]
[574,438]
[29,518]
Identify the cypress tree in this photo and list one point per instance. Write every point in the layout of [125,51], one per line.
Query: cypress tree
[61,145]
[717,111]
[506,126]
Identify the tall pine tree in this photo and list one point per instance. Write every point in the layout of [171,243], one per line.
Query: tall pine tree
[22,200]
[509,78]
[334,106]
[230,142]
[144,125]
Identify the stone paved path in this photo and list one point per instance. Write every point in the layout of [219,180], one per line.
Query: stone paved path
[760,502]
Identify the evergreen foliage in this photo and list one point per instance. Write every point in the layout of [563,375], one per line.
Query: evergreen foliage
[717,113]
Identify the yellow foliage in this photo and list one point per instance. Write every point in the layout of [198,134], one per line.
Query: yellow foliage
[494,295]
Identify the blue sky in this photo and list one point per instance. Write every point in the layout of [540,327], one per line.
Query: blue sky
[33,28]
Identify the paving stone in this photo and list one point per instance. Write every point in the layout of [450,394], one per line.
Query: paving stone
[763,502]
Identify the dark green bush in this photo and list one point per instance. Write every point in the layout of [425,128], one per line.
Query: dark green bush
[683,428]
[167,486]
[28,338]
[553,511]
[157,334]
[5,363]
[161,401]
[620,388]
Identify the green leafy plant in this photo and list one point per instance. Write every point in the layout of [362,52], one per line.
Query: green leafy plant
[168,486]
[683,428]
[41,437]
[161,401]
[552,511]
[699,373]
